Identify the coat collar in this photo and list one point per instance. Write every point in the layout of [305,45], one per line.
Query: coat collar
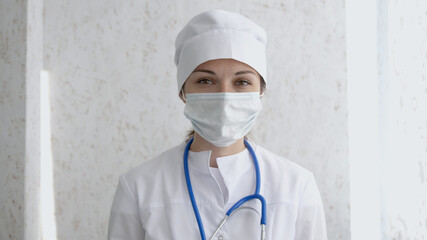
[231,167]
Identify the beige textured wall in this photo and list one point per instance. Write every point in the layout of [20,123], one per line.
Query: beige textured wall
[21,59]
[34,63]
[115,103]
[12,118]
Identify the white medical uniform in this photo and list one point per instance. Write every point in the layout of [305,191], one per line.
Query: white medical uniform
[152,200]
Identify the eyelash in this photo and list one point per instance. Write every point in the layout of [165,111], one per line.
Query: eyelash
[240,82]
[204,80]
[243,82]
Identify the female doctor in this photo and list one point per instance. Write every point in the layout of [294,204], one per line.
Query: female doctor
[217,185]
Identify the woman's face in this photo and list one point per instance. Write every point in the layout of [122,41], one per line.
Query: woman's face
[223,75]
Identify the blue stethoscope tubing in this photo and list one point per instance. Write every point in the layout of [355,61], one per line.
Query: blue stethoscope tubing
[256,195]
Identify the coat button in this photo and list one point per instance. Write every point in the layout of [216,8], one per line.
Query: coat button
[220,238]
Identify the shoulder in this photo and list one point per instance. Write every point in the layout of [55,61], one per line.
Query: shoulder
[164,167]
[286,179]
[276,162]
[167,157]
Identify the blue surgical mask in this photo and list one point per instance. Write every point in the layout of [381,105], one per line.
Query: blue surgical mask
[222,118]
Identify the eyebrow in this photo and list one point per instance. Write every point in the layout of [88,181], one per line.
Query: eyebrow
[244,72]
[213,73]
[205,71]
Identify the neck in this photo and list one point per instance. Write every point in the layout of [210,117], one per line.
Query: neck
[200,144]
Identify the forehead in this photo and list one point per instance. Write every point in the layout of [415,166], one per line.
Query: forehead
[226,63]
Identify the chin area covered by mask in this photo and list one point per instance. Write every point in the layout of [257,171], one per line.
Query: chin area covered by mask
[224,117]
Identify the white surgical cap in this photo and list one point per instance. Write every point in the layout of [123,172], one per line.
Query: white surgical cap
[219,34]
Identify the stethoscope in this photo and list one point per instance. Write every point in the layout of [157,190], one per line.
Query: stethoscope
[237,204]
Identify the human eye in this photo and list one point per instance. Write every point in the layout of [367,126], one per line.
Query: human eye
[205,81]
[242,82]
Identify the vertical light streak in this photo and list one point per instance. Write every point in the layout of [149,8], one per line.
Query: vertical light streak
[365,211]
[47,199]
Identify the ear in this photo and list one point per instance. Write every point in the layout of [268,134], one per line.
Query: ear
[181,95]
[262,86]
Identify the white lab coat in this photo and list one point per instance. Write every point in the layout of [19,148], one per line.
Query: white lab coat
[152,200]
